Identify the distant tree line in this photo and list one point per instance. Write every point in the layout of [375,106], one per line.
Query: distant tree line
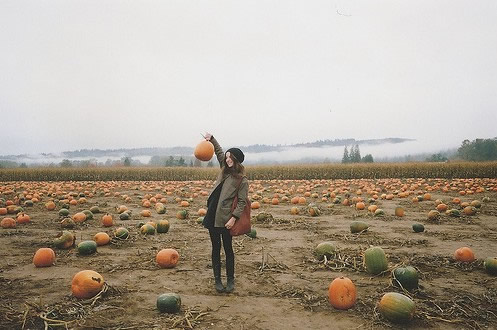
[354,156]
[478,150]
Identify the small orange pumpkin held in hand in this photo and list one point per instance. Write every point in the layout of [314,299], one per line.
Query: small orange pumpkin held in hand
[204,151]
[342,293]
[44,257]
[167,258]
[464,254]
[86,284]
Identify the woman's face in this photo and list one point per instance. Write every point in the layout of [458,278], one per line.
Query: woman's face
[229,161]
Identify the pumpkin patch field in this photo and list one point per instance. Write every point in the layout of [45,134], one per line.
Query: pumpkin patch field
[401,253]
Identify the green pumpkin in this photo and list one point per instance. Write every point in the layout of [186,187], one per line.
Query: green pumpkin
[200,220]
[67,223]
[95,209]
[65,205]
[86,248]
[147,229]
[124,216]
[89,214]
[453,213]
[162,226]
[396,307]
[63,212]
[418,228]
[169,303]
[264,216]
[121,233]
[358,226]
[379,213]
[324,249]
[406,276]
[490,265]
[160,209]
[28,203]
[65,241]
[375,260]
[252,233]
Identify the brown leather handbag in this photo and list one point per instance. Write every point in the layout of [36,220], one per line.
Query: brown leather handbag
[242,225]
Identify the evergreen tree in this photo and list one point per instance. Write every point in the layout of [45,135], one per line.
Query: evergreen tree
[345,158]
[355,154]
[197,163]
[127,161]
[367,159]
[210,164]
[181,161]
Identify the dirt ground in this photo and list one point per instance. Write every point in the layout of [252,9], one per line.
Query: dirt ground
[279,283]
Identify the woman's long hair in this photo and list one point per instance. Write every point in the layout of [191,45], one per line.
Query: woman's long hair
[237,170]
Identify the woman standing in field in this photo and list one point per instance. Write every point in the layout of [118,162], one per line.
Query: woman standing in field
[220,217]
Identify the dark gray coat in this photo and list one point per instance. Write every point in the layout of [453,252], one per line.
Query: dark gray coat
[228,191]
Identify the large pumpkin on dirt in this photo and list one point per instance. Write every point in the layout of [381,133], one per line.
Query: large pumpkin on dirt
[324,249]
[8,223]
[406,276]
[44,257]
[162,226]
[464,254]
[358,226]
[65,241]
[490,265]
[86,284]
[169,303]
[396,307]
[87,247]
[204,151]
[167,258]
[375,260]
[342,293]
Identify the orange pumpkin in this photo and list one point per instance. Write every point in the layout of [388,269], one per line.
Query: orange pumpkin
[44,257]
[442,207]
[86,284]
[464,254]
[3,210]
[79,217]
[255,205]
[342,293]
[101,238]
[201,212]
[50,205]
[204,151]
[146,213]
[184,203]
[360,206]
[23,218]
[8,223]
[399,211]
[167,258]
[107,220]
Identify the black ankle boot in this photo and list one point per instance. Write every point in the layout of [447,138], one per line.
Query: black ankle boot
[219,285]
[230,286]
[217,278]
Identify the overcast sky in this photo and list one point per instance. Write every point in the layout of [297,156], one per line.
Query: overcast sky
[125,74]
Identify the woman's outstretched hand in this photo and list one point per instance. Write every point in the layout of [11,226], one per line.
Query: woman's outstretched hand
[207,136]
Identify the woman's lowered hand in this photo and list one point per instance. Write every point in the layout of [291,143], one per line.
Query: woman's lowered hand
[230,223]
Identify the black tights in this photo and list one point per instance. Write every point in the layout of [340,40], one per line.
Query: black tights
[216,234]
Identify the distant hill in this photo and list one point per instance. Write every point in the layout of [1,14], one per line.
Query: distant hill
[255,148]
